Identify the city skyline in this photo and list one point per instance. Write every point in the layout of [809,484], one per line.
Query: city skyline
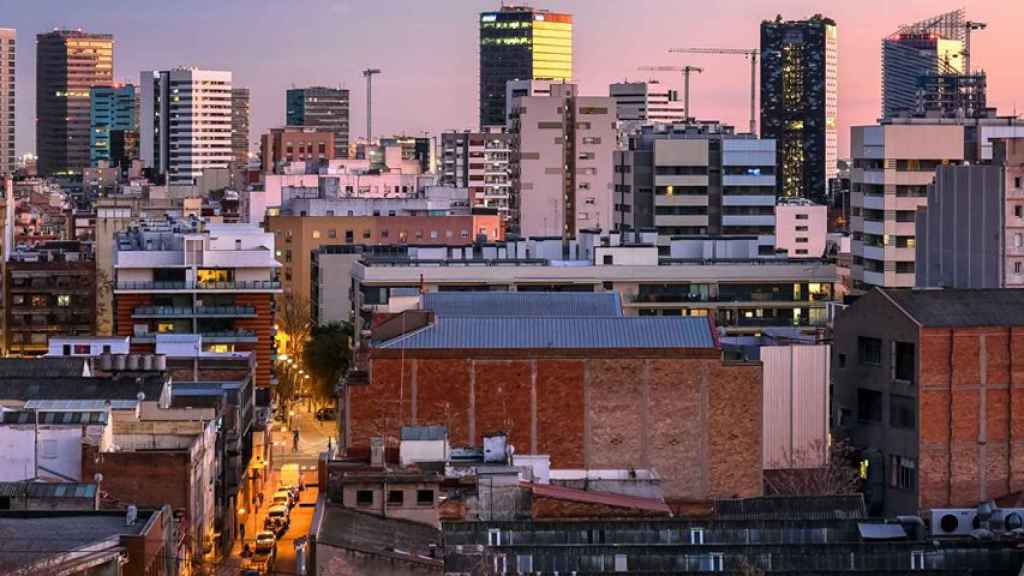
[606,50]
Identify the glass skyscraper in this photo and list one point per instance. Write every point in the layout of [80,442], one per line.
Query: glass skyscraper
[111,108]
[799,103]
[322,108]
[520,43]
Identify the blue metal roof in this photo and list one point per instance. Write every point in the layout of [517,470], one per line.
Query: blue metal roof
[498,332]
[538,304]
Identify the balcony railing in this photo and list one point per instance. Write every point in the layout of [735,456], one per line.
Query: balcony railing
[188,311]
[208,337]
[173,285]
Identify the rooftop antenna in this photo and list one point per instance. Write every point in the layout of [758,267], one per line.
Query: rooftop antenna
[369,74]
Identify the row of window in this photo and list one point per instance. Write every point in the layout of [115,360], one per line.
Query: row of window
[395,498]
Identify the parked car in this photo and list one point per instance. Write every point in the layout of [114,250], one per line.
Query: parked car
[285,497]
[326,414]
[277,519]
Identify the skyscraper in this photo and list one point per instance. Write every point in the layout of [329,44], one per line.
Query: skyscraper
[185,122]
[111,108]
[913,53]
[7,46]
[520,43]
[240,126]
[320,107]
[68,64]
[799,102]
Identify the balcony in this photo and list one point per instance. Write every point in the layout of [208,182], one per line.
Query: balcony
[228,337]
[168,286]
[194,312]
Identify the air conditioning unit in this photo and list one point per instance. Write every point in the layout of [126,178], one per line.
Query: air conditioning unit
[954,521]
[1007,519]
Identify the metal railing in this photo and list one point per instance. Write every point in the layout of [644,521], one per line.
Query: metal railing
[174,285]
[188,311]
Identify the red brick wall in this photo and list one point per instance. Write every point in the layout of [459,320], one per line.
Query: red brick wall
[695,420]
[124,304]
[146,479]
[541,507]
[971,415]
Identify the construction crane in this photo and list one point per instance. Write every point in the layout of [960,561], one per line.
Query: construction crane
[686,70]
[968,27]
[368,74]
[752,53]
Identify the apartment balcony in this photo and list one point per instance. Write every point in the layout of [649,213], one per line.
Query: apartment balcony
[194,312]
[169,287]
[149,258]
[751,220]
[225,337]
[744,200]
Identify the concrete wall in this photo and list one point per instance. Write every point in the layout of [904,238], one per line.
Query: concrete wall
[59,451]
[801,230]
[332,560]
[693,419]
[796,405]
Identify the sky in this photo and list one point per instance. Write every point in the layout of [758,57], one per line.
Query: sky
[427,50]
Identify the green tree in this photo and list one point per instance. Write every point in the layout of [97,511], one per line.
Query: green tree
[327,356]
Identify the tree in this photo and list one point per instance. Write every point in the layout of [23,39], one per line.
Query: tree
[294,322]
[838,476]
[327,356]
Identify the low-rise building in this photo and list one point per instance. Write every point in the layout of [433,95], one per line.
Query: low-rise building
[282,146]
[801,228]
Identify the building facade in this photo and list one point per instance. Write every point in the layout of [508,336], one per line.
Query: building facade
[800,101]
[321,107]
[240,113]
[801,228]
[481,162]
[112,108]
[642,102]
[8,50]
[931,47]
[185,122]
[563,164]
[696,179]
[68,64]
[217,280]
[282,146]
[520,43]
[971,233]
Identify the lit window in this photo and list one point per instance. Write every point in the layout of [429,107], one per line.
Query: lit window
[64,300]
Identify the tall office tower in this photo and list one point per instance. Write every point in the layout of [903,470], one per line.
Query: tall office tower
[320,107]
[7,49]
[481,162]
[111,109]
[799,102]
[520,43]
[643,102]
[185,122]
[562,163]
[913,53]
[68,64]
[696,179]
[240,126]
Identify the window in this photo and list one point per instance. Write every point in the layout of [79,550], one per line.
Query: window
[1018,211]
[801,228]
[842,360]
[332,233]
[917,556]
[901,472]
[500,564]
[63,300]
[712,562]
[608,259]
[316,234]
[425,497]
[349,237]
[869,405]
[869,351]
[524,563]
[1018,268]
[396,497]
[904,365]
[696,536]
[901,411]
[802,216]
[364,498]
[67,350]
[621,563]
[106,348]
[801,240]
[82,349]
[494,537]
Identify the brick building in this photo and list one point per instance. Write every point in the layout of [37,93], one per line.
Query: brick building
[926,381]
[282,146]
[591,392]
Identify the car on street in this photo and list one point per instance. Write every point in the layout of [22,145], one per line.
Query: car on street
[325,414]
[283,496]
[277,519]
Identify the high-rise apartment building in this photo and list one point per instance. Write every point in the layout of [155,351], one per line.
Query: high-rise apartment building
[7,53]
[520,43]
[323,108]
[240,111]
[68,64]
[185,122]
[952,251]
[799,102]
[111,108]
[696,179]
[915,53]
[481,162]
[641,102]
[563,163]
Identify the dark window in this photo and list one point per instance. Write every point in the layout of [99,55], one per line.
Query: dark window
[1016,181]
[67,349]
[904,369]
[901,411]
[869,405]
[842,360]
[608,259]
[396,497]
[901,472]
[364,497]
[425,497]
[869,351]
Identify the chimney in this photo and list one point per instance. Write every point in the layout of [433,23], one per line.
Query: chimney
[377,452]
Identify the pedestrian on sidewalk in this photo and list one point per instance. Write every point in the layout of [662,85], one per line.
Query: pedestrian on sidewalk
[295,440]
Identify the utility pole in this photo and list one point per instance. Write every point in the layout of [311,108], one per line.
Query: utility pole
[368,74]
[752,53]
[686,70]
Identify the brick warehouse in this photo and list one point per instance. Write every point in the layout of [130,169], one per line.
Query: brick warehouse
[929,380]
[590,392]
